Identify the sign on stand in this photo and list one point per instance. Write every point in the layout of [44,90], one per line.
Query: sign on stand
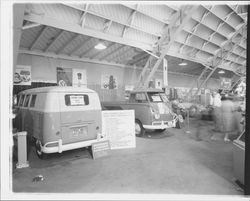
[119,127]
[100,149]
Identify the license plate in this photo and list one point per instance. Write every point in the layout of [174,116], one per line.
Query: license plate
[79,131]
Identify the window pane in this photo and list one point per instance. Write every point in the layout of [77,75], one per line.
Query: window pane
[33,100]
[154,97]
[21,100]
[27,101]
[76,99]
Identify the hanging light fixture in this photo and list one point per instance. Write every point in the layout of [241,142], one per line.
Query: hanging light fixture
[100,46]
[182,63]
[221,72]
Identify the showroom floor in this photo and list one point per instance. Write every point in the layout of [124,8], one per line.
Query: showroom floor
[174,162]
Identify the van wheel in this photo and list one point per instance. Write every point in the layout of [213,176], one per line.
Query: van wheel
[39,152]
[139,130]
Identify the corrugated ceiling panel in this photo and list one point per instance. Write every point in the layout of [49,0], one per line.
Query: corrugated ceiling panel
[108,51]
[86,48]
[66,36]
[125,57]
[212,21]
[218,39]
[47,38]
[182,36]
[58,11]
[94,22]
[210,48]
[189,25]
[148,24]
[117,53]
[203,31]
[234,20]
[197,15]
[116,29]
[203,55]
[139,36]
[158,11]
[221,11]
[29,35]
[75,43]
[113,11]
[196,42]
[225,30]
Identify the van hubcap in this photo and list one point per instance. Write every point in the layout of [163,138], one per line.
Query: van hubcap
[38,147]
[137,129]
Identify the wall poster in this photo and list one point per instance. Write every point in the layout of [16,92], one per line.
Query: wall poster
[64,76]
[79,78]
[22,75]
[158,83]
[109,82]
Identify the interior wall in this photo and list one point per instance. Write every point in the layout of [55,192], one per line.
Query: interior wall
[43,69]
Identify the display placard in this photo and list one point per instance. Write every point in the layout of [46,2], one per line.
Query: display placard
[100,149]
[77,100]
[119,128]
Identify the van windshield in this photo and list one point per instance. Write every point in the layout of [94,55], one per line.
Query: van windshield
[155,97]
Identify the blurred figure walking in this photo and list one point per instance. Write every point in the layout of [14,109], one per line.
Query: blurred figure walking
[215,102]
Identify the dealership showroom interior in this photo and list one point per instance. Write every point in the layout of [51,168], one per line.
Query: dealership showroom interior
[125,100]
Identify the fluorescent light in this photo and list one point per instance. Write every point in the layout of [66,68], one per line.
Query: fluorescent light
[100,46]
[182,64]
[221,72]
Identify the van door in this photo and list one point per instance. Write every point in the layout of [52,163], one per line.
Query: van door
[78,119]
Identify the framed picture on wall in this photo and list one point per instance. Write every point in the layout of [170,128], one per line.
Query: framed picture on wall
[79,78]
[22,75]
[64,76]
[109,82]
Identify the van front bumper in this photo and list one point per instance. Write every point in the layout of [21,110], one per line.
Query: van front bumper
[60,147]
[161,124]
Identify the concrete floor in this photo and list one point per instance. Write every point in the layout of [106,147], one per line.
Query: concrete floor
[173,162]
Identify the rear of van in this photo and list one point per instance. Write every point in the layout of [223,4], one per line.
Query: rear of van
[72,120]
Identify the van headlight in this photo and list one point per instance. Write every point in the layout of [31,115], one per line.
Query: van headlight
[157,116]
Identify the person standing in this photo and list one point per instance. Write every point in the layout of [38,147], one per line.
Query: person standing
[215,102]
[227,116]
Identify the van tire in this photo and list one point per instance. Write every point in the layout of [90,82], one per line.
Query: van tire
[139,130]
[39,152]
[160,130]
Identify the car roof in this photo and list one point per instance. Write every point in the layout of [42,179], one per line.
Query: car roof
[58,89]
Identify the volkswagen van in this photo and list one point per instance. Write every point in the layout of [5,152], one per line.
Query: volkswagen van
[59,118]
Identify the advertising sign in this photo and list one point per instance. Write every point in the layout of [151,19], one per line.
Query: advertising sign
[64,76]
[109,82]
[119,128]
[79,78]
[22,75]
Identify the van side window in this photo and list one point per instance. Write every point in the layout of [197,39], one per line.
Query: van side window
[26,102]
[76,99]
[33,100]
[140,98]
[21,100]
